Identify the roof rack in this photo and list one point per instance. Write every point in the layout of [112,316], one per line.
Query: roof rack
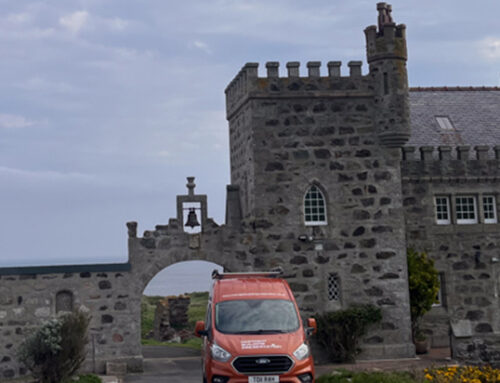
[274,273]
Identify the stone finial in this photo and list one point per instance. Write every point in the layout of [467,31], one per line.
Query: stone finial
[272,69]
[190,185]
[334,68]
[384,15]
[132,229]
[314,68]
[293,68]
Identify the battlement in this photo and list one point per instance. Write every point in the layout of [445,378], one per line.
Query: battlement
[388,40]
[247,83]
[445,153]
[446,163]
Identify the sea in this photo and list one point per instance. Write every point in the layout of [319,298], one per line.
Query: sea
[183,277]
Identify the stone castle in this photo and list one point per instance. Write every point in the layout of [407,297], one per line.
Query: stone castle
[332,177]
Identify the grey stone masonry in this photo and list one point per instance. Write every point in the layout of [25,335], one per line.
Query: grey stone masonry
[323,186]
[340,134]
[465,254]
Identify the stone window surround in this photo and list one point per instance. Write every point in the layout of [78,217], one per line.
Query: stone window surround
[334,287]
[325,204]
[479,208]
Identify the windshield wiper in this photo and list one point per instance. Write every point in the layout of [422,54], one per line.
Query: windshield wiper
[261,331]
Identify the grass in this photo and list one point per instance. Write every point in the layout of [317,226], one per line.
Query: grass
[344,376]
[196,312]
[194,343]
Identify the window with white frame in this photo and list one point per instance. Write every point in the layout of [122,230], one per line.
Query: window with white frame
[466,209]
[442,210]
[489,209]
[314,207]
[333,287]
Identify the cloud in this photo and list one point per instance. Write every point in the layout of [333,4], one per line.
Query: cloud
[116,23]
[19,18]
[202,46]
[163,153]
[74,21]
[490,48]
[12,121]
[48,175]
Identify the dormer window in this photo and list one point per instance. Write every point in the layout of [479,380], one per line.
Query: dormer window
[314,207]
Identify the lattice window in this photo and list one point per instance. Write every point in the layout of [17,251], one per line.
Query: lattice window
[333,287]
[466,209]
[490,209]
[314,207]
[64,301]
[442,210]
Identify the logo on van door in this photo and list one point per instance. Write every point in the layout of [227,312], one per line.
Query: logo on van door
[262,361]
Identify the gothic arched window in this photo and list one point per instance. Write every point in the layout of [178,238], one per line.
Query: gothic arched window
[64,301]
[314,207]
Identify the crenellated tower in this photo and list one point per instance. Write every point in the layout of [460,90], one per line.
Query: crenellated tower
[316,180]
[387,55]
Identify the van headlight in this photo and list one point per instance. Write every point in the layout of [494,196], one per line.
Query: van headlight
[302,352]
[219,354]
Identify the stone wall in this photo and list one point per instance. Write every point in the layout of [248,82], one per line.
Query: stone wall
[28,296]
[465,254]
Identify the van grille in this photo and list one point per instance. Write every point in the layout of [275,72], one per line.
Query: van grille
[263,364]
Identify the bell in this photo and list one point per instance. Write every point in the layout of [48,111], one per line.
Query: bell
[192,220]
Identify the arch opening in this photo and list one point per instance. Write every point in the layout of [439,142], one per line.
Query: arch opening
[171,303]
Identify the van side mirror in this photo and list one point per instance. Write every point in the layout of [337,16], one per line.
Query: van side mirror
[312,327]
[199,329]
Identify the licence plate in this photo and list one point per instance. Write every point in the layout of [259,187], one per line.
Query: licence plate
[264,379]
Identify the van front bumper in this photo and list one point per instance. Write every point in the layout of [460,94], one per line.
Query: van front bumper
[301,372]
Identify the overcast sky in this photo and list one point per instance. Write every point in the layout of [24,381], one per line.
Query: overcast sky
[106,106]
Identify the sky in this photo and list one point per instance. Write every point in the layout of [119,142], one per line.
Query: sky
[107,106]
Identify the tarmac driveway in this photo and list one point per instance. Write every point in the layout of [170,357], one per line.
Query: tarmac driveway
[168,364]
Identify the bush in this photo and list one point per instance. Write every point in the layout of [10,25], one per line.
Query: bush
[56,350]
[423,280]
[339,331]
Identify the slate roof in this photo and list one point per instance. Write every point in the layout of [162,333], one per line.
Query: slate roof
[474,114]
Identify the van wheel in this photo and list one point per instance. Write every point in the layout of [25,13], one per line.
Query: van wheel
[204,380]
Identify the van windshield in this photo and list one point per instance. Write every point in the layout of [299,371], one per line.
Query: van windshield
[256,316]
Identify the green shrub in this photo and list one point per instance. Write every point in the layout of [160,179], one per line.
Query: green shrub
[339,331]
[54,352]
[423,280]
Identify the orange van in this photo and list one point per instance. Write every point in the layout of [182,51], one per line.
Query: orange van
[253,332]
